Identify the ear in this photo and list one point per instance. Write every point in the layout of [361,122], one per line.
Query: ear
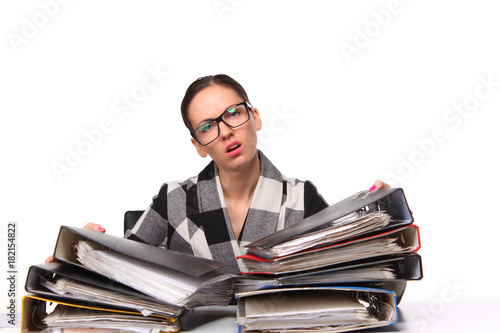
[256,119]
[199,148]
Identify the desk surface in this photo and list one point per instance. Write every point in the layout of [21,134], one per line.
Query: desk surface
[430,317]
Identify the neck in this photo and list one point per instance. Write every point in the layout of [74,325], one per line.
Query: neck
[240,184]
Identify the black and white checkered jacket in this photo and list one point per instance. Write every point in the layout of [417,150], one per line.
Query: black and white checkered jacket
[191,216]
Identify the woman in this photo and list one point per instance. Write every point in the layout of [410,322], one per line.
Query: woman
[239,197]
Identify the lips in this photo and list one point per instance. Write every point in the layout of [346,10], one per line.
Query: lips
[233,148]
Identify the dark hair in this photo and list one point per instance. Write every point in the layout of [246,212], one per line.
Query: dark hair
[203,82]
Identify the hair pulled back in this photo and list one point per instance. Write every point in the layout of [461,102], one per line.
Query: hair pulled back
[203,82]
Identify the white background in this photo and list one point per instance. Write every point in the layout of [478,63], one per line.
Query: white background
[339,119]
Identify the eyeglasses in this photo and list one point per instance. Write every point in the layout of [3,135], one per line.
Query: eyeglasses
[234,116]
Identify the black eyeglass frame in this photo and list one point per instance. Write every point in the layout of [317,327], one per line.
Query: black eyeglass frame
[217,120]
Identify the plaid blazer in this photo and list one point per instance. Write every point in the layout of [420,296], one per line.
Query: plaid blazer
[191,216]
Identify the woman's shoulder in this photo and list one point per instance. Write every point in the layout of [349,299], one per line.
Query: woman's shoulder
[302,189]
[206,174]
[184,185]
[290,183]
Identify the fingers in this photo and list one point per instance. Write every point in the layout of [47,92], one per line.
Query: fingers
[94,226]
[378,185]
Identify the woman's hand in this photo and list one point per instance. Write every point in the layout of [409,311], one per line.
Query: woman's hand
[378,185]
[50,259]
[92,226]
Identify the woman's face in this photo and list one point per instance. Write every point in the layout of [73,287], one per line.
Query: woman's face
[235,147]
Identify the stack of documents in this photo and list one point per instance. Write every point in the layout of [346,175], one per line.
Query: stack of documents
[367,242]
[108,282]
[315,309]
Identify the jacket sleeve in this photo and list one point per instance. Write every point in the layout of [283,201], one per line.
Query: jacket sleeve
[152,226]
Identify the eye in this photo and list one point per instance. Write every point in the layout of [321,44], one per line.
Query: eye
[205,127]
[232,113]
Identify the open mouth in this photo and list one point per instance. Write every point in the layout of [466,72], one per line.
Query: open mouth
[233,147]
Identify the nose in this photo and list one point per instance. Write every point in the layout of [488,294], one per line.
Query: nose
[225,130]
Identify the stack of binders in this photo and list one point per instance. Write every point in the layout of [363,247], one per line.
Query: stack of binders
[344,268]
[114,284]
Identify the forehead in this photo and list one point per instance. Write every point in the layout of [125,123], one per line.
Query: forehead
[211,102]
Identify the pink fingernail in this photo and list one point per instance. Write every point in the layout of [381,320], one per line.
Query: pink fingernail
[372,188]
[101,228]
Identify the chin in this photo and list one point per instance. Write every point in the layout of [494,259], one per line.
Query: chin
[242,159]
